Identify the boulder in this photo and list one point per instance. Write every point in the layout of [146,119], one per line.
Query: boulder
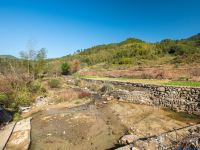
[40,101]
[127,139]
[24,109]
[109,98]
[161,89]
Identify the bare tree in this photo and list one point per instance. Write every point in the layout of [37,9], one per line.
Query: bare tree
[35,61]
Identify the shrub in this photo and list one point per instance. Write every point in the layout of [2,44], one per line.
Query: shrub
[65,69]
[146,76]
[79,83]
[195,72]
[5,86]
[125,61]
[181,49]
[54,83]
[67,95]
[3,98]
[84,95]
[77,102]
[35,87]
[94,87]
[16,116]
[23,98]
[106,88]
[6,100]
[183,78]
[43,90]
[75,66]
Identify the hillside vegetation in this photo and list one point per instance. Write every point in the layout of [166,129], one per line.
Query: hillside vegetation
[135,51]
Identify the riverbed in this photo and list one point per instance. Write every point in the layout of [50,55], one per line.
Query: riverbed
[97,125]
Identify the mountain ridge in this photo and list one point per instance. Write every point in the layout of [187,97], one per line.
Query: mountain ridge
[8,56]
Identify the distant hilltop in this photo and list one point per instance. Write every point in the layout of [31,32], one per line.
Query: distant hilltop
[195,37]
[8,56]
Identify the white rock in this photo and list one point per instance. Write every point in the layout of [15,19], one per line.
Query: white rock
[127,139]
[64,132]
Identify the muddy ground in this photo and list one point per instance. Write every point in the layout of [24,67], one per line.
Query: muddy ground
[97,125]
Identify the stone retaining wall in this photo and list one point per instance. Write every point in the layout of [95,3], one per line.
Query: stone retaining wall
[186,99]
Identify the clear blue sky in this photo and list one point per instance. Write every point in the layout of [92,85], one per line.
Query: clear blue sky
[63,26]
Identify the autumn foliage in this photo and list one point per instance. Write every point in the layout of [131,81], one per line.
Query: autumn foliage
[75,65]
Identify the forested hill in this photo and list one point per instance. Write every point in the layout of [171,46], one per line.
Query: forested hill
[8,56]
[195,37]
[134,51]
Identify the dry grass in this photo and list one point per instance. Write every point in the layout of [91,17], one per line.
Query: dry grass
[67,95]
[170,72]
[5,87]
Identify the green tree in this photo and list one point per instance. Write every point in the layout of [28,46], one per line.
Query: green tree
[65,68]
[40,62]
[29,58]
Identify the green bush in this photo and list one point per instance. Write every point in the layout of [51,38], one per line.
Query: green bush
[43,90]
[7,101]
[107,88]
[77,82]
[16,116]
[65,69]
[23,98]
[3,98]
[125,61]
[35,87]
[183,78]
[54,83]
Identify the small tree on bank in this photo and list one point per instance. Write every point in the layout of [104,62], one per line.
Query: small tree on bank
[65,68]
[40,61]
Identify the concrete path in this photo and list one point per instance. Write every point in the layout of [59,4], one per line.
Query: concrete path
[5,134]
[21,136]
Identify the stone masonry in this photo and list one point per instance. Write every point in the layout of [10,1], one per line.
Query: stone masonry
[186,99]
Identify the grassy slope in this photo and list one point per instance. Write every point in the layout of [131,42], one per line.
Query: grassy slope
[183,83]
[147,81]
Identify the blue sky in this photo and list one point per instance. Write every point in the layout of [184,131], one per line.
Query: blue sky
[63,26]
